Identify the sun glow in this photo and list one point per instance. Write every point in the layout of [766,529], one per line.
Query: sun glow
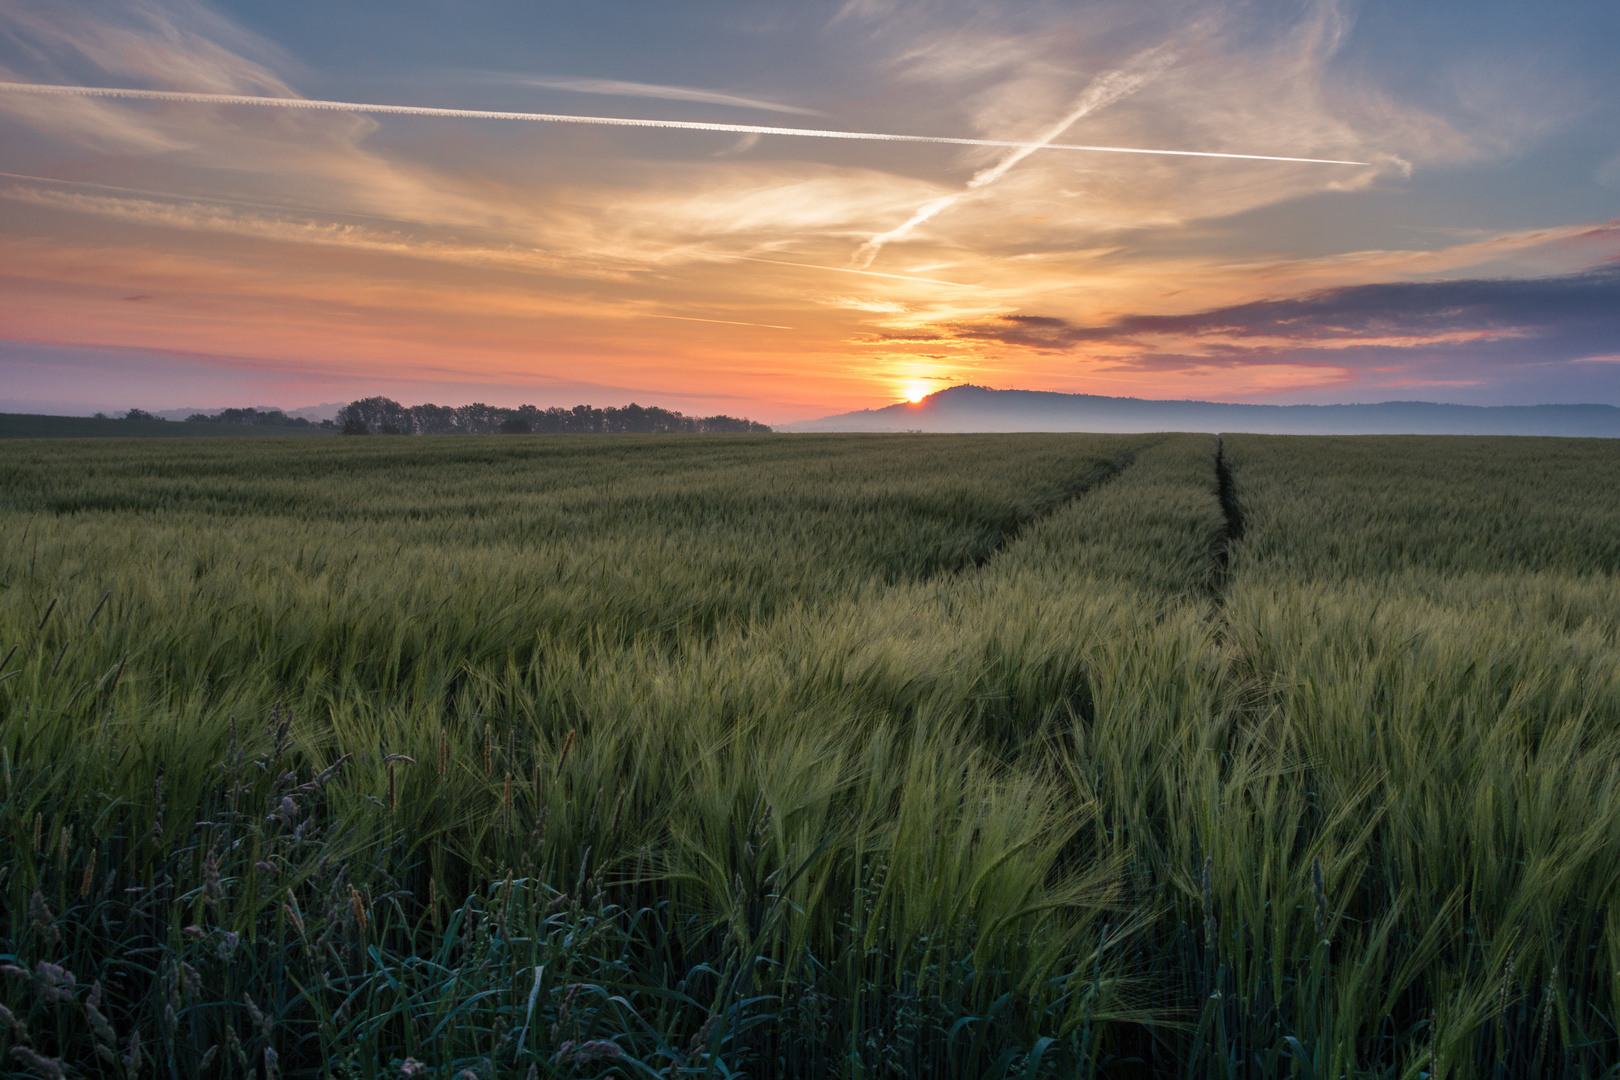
[915,391]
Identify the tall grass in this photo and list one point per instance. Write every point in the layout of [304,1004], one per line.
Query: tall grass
[613,677]
[810,756]
[1430,631]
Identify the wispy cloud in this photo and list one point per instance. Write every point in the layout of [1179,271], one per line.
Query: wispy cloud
[621,88]
[1103,91]
[179,44]
[722,322]
[216,217]
[315,105]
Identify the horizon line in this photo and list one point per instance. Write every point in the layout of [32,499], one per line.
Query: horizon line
[906,404]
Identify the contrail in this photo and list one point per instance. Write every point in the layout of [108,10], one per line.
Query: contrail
[608,121]
[1103,91]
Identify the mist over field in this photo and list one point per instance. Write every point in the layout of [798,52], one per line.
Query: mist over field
[977,408]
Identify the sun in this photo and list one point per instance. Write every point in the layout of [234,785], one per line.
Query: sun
[916,391]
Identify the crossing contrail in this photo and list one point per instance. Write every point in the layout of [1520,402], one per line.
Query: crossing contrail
[1100,94]
[608,121]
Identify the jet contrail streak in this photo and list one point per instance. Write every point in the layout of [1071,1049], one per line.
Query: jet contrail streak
[1100,94]
[606,121]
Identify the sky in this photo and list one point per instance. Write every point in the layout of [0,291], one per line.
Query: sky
[199,253]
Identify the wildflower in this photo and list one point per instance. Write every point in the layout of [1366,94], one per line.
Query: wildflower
[56,983]
[50,1068]
[132,1057]
[358,906]
[700,1041]
[41,921]
[594,1050]
[286,812]
[234,1042]
[211,885]
[106,1038]
[19,1030]
[88,880]
[256,1014]
[157,815]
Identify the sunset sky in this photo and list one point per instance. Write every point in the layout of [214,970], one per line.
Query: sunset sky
[165,254]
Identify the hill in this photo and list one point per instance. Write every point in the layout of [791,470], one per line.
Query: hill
[979,408]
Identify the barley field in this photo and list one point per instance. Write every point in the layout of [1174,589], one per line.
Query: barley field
[971,756]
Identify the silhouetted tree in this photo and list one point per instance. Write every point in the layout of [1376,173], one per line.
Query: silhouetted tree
[380,415]
[376,413]
[256,417]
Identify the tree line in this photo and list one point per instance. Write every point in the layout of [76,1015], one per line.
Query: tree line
[384,416]
[256,417]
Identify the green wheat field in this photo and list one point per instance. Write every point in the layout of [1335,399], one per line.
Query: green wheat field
[801,756]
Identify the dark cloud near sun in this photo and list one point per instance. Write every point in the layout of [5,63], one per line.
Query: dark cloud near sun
[1489,341]
[1566,317]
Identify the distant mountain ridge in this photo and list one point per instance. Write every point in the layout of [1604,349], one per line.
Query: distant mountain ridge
[979,408]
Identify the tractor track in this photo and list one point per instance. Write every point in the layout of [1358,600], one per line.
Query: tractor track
[1230,531]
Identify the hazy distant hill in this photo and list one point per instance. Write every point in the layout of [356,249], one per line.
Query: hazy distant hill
[977,408]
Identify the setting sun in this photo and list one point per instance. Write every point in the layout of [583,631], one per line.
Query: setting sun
[916,391]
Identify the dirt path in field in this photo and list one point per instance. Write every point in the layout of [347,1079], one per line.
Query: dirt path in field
[1231,529]
[1017,532]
